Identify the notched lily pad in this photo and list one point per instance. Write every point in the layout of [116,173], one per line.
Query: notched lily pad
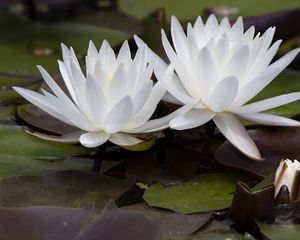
[274,144]
[204,193]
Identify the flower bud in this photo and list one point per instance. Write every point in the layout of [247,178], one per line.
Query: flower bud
[287,175]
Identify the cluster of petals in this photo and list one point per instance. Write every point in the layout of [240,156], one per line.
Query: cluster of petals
[218,68]
[112,102]
[214,70]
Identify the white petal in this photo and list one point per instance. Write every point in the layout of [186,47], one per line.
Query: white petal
[53,85]
[206,72]
[93,139]
[269,119]
[223,94]
[170,81]
[124,54]
[71,112]
[119,115]
[191,119]
[268,103]
[237,64]
[69,138]
[285,60]
[236,133]
[148,109]
[211,26]
[41,102]
[96,102]
[117,87]
[237,30]
[179,38]
[122,139]
[161,123]
[142,96]
[152,57]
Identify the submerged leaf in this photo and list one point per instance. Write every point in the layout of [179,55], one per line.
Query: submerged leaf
[67,189]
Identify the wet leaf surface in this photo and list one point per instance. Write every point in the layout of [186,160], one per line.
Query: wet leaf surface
[206,192]
[114,223]
[274,144]
[172,225]
[22,154]
[42,223]
[67,189]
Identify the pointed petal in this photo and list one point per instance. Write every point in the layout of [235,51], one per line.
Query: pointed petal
[268,103]
[123,139]
[223,94]
[152,57]
[93,139]
[207,73]
[117,87]
[53,85]
[96,103]
[237,64]
[236,133]
[69,138]
[191,119]
[124,55]
[211,26]
[119,115]
[269,119]
[41,102]
[179,38]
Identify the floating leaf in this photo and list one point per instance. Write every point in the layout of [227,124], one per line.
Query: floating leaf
[42,223]
[114,223]
[172,225]
[67,189]
[204,193]
[22,154]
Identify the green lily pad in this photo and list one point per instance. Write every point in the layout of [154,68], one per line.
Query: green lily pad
[281,232]
[22,154]
[65,189]
[142,8]
[41,42]
[204,193]
[7,113]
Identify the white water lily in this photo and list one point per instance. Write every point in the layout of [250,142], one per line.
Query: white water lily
[218,68]
[112,102]
[286,174]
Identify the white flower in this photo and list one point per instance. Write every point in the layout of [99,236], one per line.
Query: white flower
[114,100]
[218,69]
[286,174]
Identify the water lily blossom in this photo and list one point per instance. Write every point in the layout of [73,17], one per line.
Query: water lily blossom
[218,68]
[113,101]
[288,173]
